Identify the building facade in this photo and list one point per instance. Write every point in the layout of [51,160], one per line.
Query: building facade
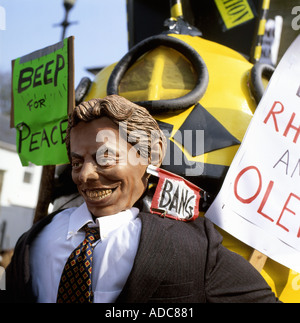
[19,187]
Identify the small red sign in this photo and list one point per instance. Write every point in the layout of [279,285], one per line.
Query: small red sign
[175,197]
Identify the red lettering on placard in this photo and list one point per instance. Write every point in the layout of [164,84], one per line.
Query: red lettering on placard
[291,126]
[273,114]
[252,198]
[264,201]
[285,208]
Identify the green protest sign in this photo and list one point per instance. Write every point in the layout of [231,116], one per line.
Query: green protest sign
[42,95]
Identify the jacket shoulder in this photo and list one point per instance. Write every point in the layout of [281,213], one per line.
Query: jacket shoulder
[18,280]
[201,227]
[194,237]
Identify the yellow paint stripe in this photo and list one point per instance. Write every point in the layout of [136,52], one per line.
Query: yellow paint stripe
[257,54]
[262,27]
[266,4]
[176,10]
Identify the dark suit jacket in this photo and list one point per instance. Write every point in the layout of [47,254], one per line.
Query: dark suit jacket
[175,262]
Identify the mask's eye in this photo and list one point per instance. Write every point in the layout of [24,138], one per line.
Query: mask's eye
[76,165]
[106,157]
[106,161]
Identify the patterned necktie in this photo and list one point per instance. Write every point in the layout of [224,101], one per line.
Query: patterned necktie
[76,280]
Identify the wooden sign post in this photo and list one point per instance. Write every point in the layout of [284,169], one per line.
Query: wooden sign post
[258,260]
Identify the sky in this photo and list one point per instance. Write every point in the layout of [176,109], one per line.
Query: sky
[100,32]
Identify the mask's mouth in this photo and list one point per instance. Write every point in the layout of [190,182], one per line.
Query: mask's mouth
[98,194]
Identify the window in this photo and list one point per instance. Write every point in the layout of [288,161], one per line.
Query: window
[27,177]
[28,174]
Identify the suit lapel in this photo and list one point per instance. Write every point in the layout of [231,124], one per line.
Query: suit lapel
[154,259]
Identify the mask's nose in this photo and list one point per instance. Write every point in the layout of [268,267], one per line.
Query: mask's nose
[88,172]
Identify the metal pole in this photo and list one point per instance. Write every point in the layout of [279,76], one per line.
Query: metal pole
[256,51]
[176,9]
[65,24]
[68,5]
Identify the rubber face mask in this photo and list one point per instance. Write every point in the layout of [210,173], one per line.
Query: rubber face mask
[108,171]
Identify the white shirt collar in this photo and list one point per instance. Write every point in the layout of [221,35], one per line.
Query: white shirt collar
[78,219]
[107,224]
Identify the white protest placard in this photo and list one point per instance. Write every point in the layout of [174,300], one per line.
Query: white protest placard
[259,202]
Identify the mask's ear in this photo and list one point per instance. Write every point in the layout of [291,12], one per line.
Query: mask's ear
[156,153]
